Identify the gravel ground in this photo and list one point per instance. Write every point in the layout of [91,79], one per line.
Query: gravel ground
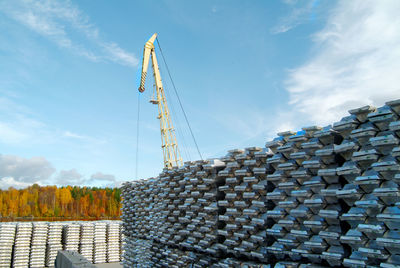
[109,265]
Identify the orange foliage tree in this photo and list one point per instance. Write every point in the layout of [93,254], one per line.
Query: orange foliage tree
[71,202]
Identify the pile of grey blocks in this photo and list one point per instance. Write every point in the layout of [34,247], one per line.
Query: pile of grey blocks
[72,259]
[36,244]
[319,197]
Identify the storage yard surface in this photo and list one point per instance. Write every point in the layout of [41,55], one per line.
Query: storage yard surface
[322,196]
[109,265]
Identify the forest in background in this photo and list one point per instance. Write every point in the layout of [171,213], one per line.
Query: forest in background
[53,203]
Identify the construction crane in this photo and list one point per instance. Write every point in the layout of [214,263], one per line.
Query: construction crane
[169,145]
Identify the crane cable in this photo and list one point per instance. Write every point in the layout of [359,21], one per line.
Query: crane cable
[180,132]
[137,138]
[179,99]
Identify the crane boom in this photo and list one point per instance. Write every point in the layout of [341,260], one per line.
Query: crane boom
[169,144]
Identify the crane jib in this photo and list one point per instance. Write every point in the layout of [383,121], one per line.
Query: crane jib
[169,144]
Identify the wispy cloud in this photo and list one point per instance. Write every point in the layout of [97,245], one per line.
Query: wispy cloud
[69,177]
[103,179]
[16,122]
[357,62]
[59,21]
[300,12]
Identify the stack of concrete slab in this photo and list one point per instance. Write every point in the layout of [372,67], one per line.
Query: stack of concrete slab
[54,242]
[86,240]
[71,236]
[22,244]
[38,245]
[122,241]
[99,242]
[319,196]
[7,236]
[113,241]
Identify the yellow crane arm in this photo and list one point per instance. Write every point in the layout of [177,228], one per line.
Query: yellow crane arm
[148,48]
[169,144]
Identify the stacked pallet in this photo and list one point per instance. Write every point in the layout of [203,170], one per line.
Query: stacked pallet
[7,236]
[38,245]
[320,196]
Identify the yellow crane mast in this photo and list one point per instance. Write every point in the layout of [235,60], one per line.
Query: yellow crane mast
[169,145]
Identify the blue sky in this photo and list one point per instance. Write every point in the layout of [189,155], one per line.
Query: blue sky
[244,70]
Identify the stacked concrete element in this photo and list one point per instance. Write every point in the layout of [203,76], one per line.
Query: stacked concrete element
[38,245]
[35,244]
[71,236]
[7,236]
[22,244]
[100,242]
[113,242]
[72,259]
[86,240]
[321,196]
[54,242]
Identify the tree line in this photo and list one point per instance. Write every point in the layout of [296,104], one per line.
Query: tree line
[70,202]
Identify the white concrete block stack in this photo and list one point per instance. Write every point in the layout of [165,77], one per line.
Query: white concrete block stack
[71,236]
[86,240]
[122,242]
[325,197]
[38,245]
[54,242]
[99,242]
[7,236]
[35,244]
[113,241]
[22,244]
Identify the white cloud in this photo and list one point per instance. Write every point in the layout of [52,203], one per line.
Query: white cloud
[69,134]
[102,177]
[7,182]
[300,12]
[119,55]
[59,21]
[356,62]
[69,177]
[19,172]
[106,180]
[18,125]
[25,170]
[10,135]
